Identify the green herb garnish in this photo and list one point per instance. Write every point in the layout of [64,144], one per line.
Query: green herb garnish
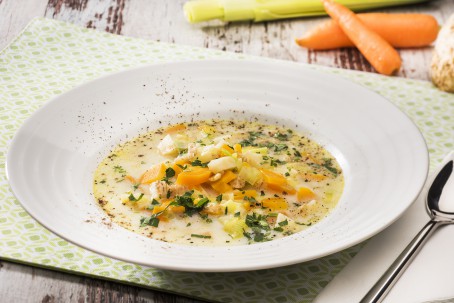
[200,236]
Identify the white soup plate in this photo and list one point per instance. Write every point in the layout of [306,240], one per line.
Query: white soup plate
[52,157]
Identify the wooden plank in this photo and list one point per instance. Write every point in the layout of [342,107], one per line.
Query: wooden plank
[269,39]
[105,15]
[20,283]
[14,16]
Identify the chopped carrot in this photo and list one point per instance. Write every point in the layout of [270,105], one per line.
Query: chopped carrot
[380,54]
[400,30]
[305,194]
[175,128]
[275,203]
[155,173]
[177,166]
[228,176]
[247,206]
[165,208]
[225,149]
[277,182]
[131,179]
[196,176]
[221,185]
[240,194]
[237,148]
[160,208]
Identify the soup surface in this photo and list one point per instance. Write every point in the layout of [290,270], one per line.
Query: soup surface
[218,182]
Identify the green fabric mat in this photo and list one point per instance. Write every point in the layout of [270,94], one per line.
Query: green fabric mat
[50,57]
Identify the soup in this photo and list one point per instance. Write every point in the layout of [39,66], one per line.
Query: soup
[218,182]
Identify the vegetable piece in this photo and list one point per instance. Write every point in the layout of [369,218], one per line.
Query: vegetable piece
[167,146]
[131,179]
[232,207]
[305,194]
[380,54]
[400,30]
[234,227]
[237,148]
[175,128]
[155,173]
[195,176]
[221,185]
[208,153]
[220,164]
[226,150]
[251,175]
[275,203]
[276,182]
[442,67]
[240,194]
[253,158]
[213,209]
[177,168]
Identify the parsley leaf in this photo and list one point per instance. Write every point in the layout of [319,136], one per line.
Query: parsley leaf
[134,199]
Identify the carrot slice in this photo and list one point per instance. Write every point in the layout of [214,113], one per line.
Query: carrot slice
[380,54]
[194,177]
[131,179]
[155,173]
[221,185]
[276,182]
[240,194]
[225,149]
[175,128]
[275,203]
[400,30]
[305,194]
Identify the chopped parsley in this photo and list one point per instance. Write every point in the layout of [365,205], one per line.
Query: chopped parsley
[134,199]
[200,236]
[281,137]
[197,162]
[187,201]
[259,226]
[119,169]
[170,172]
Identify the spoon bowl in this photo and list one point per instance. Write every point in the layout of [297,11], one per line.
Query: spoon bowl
[440,198]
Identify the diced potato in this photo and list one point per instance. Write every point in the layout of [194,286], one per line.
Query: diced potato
[167,146]
[253,158]
[221,164]
[208,153]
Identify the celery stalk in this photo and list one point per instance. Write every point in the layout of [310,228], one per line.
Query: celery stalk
[262,10]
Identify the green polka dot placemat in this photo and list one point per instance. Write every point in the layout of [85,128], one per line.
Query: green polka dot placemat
[50,57]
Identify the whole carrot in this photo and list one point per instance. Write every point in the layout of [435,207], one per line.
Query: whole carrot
[400,30]
[380,54]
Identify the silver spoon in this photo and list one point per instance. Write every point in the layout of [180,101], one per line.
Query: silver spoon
[440,206]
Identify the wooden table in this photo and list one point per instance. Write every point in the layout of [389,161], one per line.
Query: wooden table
[163,21]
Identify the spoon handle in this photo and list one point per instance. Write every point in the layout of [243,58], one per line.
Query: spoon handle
[378,292]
